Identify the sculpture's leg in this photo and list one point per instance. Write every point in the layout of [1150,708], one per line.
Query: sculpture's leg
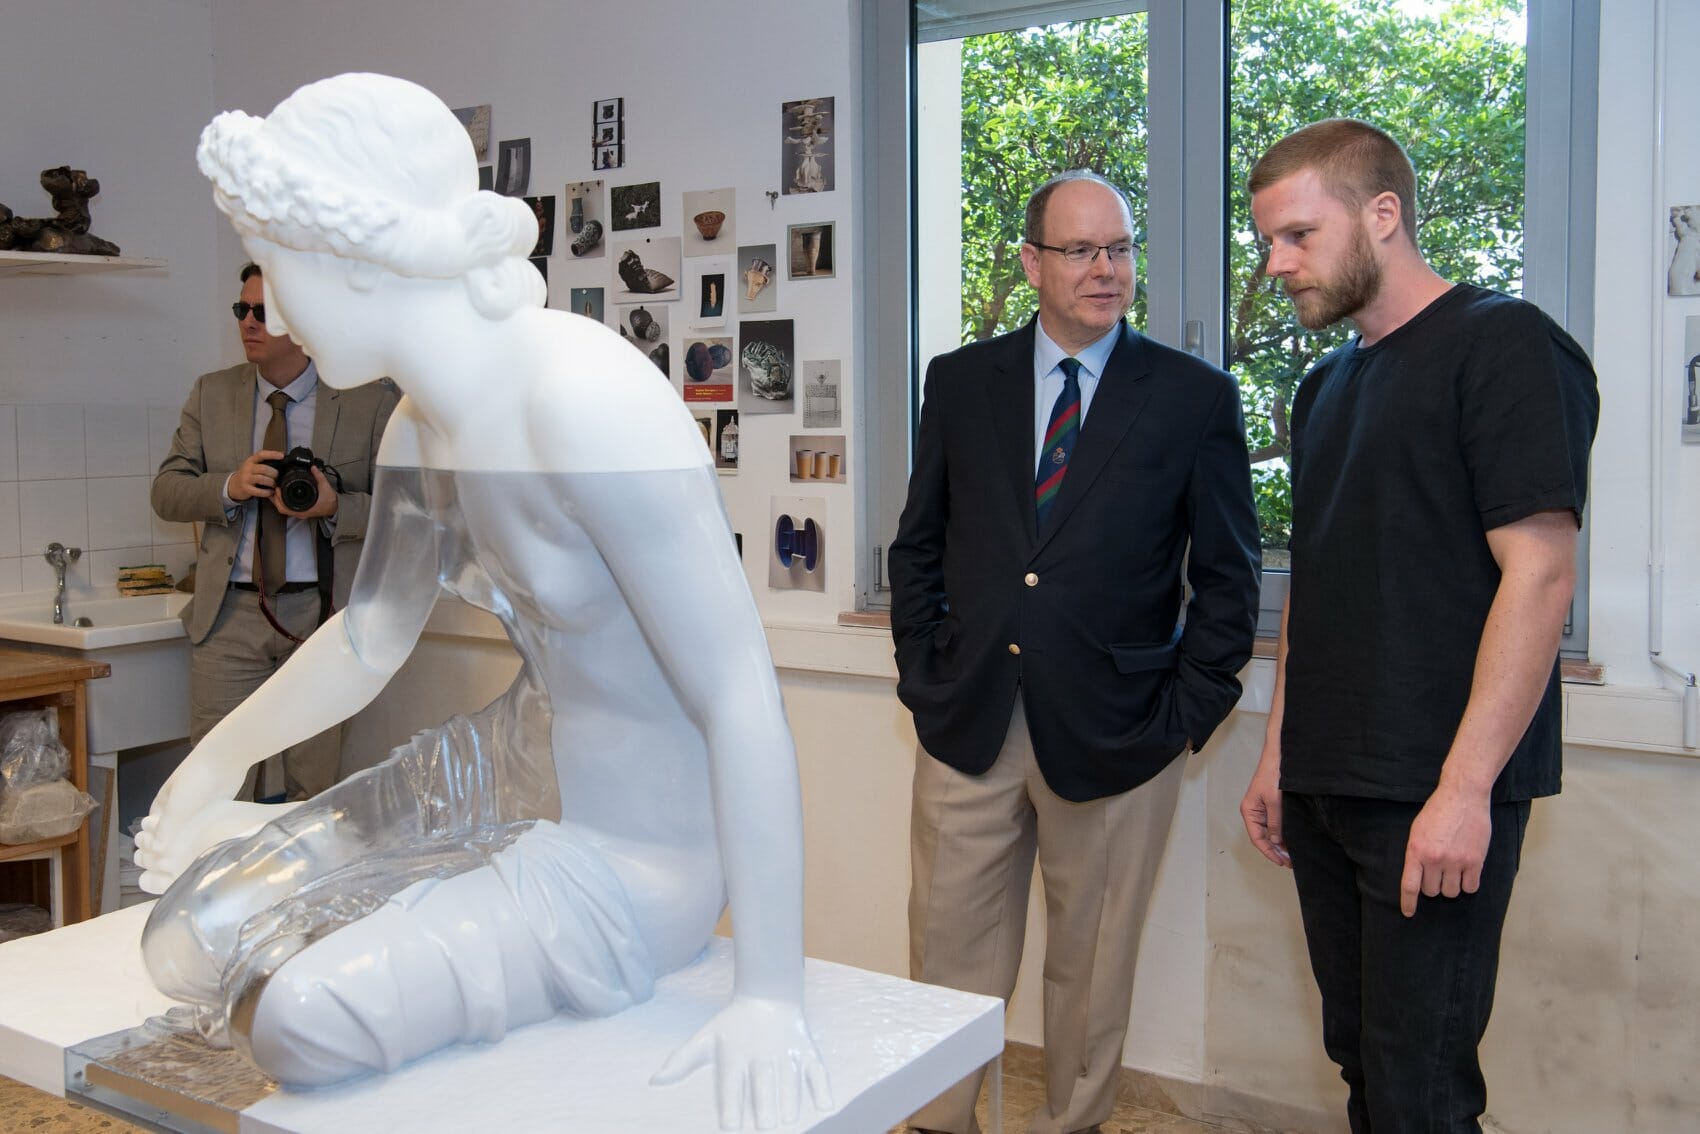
[360,841]
[544,927]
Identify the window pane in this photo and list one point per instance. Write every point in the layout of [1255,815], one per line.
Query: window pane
[1444,77]
[1021,105]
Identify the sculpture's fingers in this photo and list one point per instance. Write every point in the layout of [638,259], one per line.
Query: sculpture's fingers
[154,882]
[764,1093]
[730,1083]
[790,1089]
[820,1087]
[694,1053]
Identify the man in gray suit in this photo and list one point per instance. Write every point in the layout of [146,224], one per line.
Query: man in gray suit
[217,475]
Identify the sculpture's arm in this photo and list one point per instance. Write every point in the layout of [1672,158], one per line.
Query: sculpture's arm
[329,678]
[667,541]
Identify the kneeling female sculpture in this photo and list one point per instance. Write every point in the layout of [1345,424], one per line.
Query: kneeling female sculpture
[562,848]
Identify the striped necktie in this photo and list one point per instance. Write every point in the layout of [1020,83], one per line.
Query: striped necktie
[1060,436]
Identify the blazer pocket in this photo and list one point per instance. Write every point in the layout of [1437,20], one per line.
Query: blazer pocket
[1133,657]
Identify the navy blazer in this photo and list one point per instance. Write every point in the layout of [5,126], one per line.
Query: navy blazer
[1084,617]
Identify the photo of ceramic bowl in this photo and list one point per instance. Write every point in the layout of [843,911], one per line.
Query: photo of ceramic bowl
[709,223]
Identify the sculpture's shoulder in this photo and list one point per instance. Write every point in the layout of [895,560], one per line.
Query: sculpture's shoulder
[401,446]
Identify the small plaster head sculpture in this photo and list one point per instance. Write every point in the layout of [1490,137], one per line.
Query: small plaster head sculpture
[363,169]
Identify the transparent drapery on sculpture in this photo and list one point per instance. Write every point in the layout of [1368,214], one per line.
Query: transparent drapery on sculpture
[578,837]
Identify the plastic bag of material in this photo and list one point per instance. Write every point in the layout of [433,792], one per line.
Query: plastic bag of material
[30,752]
[36,800]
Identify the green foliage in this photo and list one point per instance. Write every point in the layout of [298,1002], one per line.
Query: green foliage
[1448,84]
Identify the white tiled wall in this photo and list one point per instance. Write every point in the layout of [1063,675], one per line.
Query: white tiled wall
[80,475]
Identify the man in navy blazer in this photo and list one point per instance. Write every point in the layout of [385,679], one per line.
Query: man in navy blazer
[1055,664]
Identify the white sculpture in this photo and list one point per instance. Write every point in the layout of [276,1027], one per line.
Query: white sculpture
[578,837]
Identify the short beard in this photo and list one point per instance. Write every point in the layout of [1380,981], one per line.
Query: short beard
[1356,288]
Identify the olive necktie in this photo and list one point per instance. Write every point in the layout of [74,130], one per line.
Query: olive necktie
[1060,436]
[274,525]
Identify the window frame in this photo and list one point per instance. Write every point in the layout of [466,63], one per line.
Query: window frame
[1188,84]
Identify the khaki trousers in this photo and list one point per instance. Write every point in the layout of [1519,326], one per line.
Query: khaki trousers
[239,653]
[973,841]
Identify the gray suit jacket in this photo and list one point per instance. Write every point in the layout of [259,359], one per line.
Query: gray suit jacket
[216,434]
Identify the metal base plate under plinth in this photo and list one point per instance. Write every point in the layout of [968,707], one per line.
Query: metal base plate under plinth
[166,1077]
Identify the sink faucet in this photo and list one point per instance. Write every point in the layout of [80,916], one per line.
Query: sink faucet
[60,557]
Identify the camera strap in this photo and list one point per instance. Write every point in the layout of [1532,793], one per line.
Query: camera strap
[326,564]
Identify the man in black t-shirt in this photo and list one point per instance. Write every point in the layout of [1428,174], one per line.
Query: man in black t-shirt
[1439,464]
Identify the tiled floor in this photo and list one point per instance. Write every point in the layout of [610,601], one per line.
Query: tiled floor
[24,1110]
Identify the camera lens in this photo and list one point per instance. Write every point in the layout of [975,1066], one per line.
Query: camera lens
[299,491]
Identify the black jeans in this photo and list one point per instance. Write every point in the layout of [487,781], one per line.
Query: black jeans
[1404,1000]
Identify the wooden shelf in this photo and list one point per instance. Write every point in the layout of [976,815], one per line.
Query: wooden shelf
[53,264]
[9,851]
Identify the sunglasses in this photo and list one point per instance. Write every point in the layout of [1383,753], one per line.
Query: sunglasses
[240,310]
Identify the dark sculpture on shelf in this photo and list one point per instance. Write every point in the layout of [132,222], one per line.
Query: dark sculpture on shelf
[66,233]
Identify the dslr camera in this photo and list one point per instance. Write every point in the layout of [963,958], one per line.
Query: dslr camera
[295,486]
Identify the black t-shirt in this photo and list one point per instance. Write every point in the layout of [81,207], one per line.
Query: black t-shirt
[1476,413]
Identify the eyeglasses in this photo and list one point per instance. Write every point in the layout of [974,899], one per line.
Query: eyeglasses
[240,310]
[1119,253]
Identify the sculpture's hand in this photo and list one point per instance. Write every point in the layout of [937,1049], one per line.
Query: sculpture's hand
[192,812]
[762,1052]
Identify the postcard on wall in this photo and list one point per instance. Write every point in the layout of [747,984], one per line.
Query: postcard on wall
[513,167]
[710,227]
[816,457]
[476,119]
[811,251]
[635,206]
[708,369]
[756,280]
[796,553]
[726,445]
[806,153]
[486,177]
[705,298]
[1691,382]
[645,327]
[1684,275]
[587,221]
[607,157]
[543,208]
[586,301]
[767,361]
[646,268]
[541,263]
[705,423]
[820,395]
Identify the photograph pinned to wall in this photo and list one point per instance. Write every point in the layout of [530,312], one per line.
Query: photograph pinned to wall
[1684,275]
[806,153]
[476,119]
[817,457]
[1691,382]
[587,222]
[796,544]
[541,263]
[726,446]
[820,395]
[543,208]
[635,206]
[767,363]
[708,369]
[646,268]
[645,327]
[705,422]
[705,291]
[605,110]
[811,254]
[709,226]
[486,177]
[607,157]
[513,167]
[608,134]
[758,290]
[586,301]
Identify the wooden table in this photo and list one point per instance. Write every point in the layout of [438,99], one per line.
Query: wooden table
[50,681]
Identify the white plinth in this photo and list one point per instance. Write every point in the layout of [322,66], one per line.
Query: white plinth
[889,1046]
